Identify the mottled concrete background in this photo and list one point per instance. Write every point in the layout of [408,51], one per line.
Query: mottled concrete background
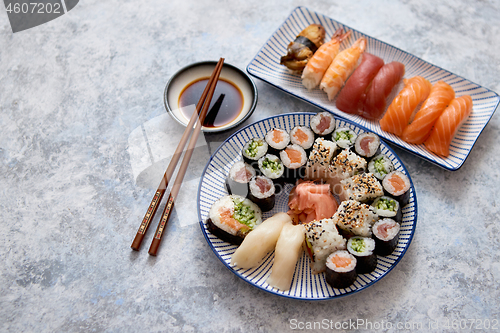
[73,91]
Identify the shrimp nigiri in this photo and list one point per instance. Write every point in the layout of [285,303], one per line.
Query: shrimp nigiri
[419,129]
[341,67]
[318,64]
[402,107]
[447,125]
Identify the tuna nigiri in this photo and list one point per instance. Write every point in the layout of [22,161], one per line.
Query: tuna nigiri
[440,96]
[340,69]
[447,125]
[402,107]
[350,96]
[374,102]
[318,64]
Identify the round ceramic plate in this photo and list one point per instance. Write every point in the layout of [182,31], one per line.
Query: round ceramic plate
[304,285]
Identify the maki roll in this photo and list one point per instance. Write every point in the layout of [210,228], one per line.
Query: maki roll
[355,218]
[302,136]
[362,249]
[346,164]
[367,144]
[262,192]
[340,269]
[388,207]
[277,140]
[380,166]
[385,234]
[232,217]
[323,124]
[363,187]
[294,159]
[322,238]
[238,178]
[253,150]
[397,184]
[344,137]
[271,166]
[320,159]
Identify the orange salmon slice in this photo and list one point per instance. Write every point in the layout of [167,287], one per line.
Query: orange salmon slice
[293,155]
[397,183]
[226,217]
[277,136]
[301,136]
[341,261]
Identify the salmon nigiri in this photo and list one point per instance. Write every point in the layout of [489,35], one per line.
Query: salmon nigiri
[341,67]
[440,96]
[447,125]
[322,58]
[374,102]
[350,96]
[402,107]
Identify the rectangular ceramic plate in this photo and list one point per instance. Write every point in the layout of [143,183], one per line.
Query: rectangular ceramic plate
[266,66]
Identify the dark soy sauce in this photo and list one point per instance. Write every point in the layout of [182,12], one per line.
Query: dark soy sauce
[231,103]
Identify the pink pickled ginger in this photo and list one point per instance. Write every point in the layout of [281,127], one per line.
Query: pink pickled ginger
[309,201]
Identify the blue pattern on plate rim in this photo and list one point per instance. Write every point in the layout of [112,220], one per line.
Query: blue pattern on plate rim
[305,285]
[266,66]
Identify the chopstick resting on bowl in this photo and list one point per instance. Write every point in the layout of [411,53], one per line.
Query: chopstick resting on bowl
[198,117]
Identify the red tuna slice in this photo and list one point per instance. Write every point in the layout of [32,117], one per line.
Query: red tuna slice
[350,96]
[374,103]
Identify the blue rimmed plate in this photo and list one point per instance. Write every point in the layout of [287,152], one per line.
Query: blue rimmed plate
[305,285]
[266,66]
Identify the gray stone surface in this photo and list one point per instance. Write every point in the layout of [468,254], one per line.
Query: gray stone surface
[73,91]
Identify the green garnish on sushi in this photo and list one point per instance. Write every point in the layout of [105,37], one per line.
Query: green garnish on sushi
[252,149]
[386,204]
[273,165]
[358,245]
[379,165]
[244,214]
[343,135]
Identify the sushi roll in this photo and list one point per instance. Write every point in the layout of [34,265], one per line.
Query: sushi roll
[232,217]
[386,235]
[322,124]
[397,184]
[322,238]
[271,166]
[346,164]
[363,187]
[320,159]
[340,269]
[294,159]
[355,218]
[253,150]
[380,166]
[344,137]
[302,136]
[362,248]
[277,140]
[367,144]
[238,178]
[262,192]
[388,207]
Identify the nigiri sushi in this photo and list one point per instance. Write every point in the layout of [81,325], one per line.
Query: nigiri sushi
[350,96]
[374,102]
[319,62]
[402,107]
[447,125]
[287,252]
[341,68]
[303,47]
[419,129]
[260,241]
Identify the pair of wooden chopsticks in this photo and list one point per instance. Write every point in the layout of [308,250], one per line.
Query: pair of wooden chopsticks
[198,118]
